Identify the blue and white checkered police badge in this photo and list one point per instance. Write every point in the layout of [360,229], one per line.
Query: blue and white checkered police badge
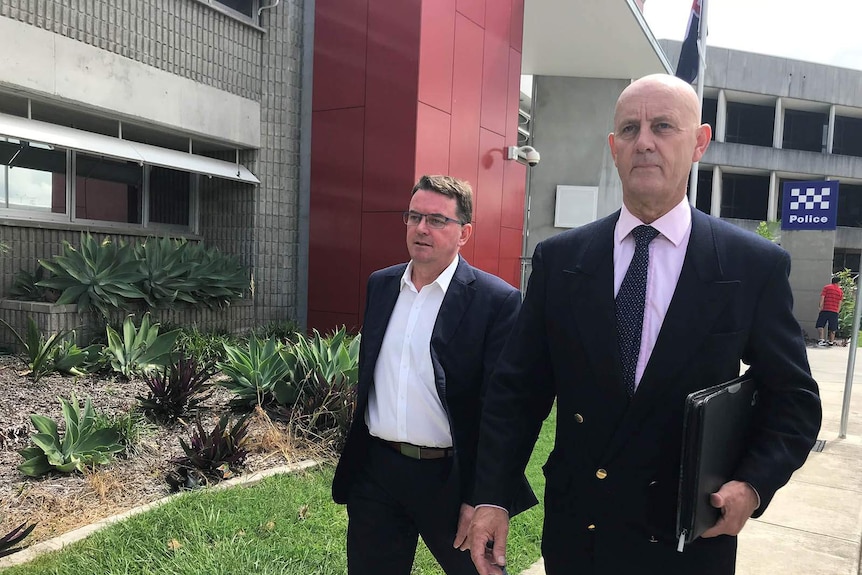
[809,205]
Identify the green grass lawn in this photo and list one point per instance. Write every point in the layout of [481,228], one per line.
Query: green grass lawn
[284,525]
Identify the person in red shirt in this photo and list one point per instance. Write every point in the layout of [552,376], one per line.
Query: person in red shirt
[830,303]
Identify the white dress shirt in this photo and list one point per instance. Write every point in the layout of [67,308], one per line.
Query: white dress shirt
[666,256]
[403,404]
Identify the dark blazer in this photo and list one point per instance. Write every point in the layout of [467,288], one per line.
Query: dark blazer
[475,318]
[732,302]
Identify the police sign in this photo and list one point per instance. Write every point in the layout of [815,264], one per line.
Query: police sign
[809,205]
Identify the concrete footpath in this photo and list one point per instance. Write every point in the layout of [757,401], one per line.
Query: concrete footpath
[814,524]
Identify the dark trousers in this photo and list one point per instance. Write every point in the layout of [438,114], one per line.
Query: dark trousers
[392,501]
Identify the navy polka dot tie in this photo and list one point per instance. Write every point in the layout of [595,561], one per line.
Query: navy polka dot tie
[630,304]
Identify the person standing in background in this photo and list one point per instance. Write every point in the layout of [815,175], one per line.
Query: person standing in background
[830,304]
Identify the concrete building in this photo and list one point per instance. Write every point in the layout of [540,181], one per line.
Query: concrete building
[154,117]
[777,120]
[286,132]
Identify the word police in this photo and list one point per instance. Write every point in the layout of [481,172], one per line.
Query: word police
[809,219]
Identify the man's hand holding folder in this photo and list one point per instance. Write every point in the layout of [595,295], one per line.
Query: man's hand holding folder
[737,501]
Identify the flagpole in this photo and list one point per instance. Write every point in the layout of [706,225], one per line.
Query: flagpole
[701,72]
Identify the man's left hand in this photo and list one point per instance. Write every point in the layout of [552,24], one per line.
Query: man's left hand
[737,501]
[464,519]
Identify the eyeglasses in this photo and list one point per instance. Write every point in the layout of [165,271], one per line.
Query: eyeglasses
[436,221]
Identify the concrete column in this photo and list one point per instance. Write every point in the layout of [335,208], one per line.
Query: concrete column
[830,133]
[721,117]
[772,202]
[811,253]
[778,129]
[715,204]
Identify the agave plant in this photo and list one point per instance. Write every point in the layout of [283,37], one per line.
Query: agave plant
[101,275]
[175,389]
[329,357]
[39,350]
[164,272]
[25,286]
[217,278]
[82,444]
[8,541]
[70,359]
[327,370]
[256,371]
[222,448]
[139,349]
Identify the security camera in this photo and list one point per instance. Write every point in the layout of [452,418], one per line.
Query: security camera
[524,154]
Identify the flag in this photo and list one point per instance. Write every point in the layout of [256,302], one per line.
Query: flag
[689,57]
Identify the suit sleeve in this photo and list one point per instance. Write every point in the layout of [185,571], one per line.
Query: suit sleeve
[790,412]
[519,397]
[498,330]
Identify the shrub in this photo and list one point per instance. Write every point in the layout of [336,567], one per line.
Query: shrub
[206,348]
[82,444]
[139,350]
[327,370]
[100,276]
[175,389]
[8,541]
[282,330]
[845,312]
[109,276]
[25,286]
[69,359]
[257,370]
[218,452]
[129,425]
[215,279]
[40,351]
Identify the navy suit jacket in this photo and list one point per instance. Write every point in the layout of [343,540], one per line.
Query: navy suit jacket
[732,303]
[475,318]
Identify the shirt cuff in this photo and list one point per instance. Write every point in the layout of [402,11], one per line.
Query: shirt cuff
[507,511]
[756,494]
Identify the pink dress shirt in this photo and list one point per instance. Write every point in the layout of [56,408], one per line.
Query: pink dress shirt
[666,256]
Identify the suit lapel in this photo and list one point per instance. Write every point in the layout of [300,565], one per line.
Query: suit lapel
[383,303]
[455,304]
[698,300]
[590,285]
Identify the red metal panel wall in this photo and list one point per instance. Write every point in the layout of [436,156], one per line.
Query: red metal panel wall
[336,200]
[411,87]
[339,54]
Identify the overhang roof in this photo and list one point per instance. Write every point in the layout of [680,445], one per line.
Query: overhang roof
[101,145]
[589,39]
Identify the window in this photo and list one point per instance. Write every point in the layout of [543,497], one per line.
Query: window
[848,137]
[247,8]
[749,124]
[744,197]
[845,259]
[805,131]
[108,190]
[33,176]
[709,113]
[704,190]
[850,205]
[170,196]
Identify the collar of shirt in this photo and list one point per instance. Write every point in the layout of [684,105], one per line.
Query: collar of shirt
[443,280]
[673,225]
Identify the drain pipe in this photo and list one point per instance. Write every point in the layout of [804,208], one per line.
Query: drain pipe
[262,8]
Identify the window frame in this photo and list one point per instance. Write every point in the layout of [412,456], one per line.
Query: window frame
[69,217]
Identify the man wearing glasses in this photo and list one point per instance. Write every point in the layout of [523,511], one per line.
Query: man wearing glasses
[432,331]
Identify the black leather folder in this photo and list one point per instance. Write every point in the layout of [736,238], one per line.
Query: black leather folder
[716,425]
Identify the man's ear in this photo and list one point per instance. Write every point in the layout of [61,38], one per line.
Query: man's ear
[466,232]
[704,135]
[613,147]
